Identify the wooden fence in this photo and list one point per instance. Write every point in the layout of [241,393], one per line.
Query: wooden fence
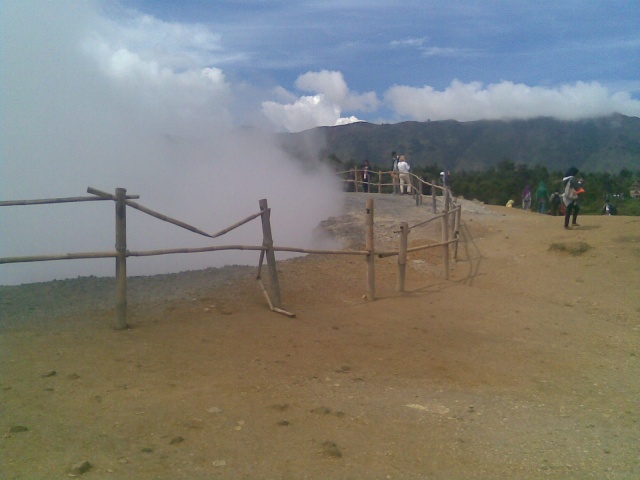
[450,219]
[388,182]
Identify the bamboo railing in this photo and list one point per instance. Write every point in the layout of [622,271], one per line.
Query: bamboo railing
[450,221]
[353,179]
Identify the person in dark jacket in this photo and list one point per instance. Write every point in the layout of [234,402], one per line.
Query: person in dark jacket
[571,182]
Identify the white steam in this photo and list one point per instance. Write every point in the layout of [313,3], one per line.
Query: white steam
[88,101]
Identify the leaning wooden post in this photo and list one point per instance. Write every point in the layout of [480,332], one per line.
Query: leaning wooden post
[456,231]
[433,197]
[355,178]
[267,241]
[371,275]
[445,235]
[121,259]
[402,255]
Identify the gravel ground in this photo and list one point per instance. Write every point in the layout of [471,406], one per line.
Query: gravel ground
[40,303]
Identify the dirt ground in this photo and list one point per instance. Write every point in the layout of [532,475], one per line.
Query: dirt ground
[523,365]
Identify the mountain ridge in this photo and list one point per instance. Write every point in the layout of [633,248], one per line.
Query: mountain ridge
[607,144]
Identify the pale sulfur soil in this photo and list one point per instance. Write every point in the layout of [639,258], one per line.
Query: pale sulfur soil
[523,365]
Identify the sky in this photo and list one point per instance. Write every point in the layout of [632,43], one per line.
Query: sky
[331,62]
[149,95]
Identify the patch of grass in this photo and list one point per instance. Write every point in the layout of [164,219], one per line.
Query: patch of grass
[628,239]
[571,248]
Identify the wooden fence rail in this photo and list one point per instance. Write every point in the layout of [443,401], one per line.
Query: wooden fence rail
[417,186]
[267,249]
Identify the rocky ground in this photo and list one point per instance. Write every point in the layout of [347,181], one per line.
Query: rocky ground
[524,364]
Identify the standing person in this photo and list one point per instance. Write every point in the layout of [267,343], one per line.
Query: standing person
[555,200]
[405,178]
[444,178]
[526,198]
[394,174]
[571,185]
[366,176]
[541,197]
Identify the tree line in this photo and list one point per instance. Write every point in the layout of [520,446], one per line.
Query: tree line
[496,185]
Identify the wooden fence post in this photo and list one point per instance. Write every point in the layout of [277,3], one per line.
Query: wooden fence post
[121,259]
[371,274]
[355,178]
[267,241]
[379,181]
[445,235]
[402,255]
[433,197]
[456,232]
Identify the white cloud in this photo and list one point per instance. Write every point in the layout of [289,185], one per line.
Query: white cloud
[332,97]
[433,51]
[508,100]
[410,42]
[447,52]
[305,113]
[333,86]
[174,45]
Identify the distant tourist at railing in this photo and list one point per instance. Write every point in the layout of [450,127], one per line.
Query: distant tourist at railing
[366,176]
[394,173]
[405,178]
[444,178]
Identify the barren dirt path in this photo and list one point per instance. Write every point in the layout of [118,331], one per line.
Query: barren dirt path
[523,365]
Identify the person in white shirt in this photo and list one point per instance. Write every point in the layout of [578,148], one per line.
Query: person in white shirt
[405,179]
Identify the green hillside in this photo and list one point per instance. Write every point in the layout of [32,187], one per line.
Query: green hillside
[606,144]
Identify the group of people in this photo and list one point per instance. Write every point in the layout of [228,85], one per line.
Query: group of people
[401,177]
[571,188]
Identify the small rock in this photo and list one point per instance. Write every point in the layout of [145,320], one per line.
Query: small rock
[322,410]
[80,468]
[195,423]
[49,374]
[224,310]
[219,463]
[18,429]
[176,440]
[280,407]
[214,410]
[330,449]
[146,450]
[283,423]
[73,376]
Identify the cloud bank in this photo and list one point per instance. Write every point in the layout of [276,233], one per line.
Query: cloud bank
[508,100]
[459,101]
